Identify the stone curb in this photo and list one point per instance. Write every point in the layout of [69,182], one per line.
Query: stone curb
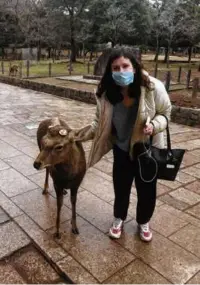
[71,93]
[181,115]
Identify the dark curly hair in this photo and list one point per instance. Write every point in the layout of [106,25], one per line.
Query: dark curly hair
[108,86]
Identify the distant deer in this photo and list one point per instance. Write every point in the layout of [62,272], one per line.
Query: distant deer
[13,70]
[64,158]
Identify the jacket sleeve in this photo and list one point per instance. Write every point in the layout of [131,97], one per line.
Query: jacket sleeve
[88,132]
[163,107]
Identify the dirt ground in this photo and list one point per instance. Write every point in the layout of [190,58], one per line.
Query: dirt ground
[183,98]
[65,83]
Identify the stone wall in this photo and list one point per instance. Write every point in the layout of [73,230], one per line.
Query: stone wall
[186,116]
[60,91]
[181,115]
[94,77]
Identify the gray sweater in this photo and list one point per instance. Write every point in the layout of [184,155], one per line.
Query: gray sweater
[123,121]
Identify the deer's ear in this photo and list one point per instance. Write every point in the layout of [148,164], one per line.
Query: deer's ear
[81,135]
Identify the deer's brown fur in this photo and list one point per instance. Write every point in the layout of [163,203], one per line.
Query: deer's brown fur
[64,159]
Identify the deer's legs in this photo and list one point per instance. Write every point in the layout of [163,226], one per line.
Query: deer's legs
[59,194]
[73,198]
[46,183]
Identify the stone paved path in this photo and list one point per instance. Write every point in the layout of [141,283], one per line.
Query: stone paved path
[172,257]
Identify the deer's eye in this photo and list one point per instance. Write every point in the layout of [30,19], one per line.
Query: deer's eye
[58,147]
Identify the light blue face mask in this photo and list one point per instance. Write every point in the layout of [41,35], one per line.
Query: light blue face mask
[123,78]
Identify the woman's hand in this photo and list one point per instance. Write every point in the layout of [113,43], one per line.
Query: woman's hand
[148,129]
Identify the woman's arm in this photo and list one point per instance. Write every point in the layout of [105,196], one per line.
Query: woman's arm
[88,132]
[163,107]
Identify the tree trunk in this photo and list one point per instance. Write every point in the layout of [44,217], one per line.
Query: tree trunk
[189,54]
[91,55]
[49,53]
[169,46]
[72,39]
[54,54]
[157,50]
[83,53]
[3,53]
[39,52]
[166,54]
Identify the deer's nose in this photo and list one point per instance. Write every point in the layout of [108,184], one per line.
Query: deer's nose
[37,165]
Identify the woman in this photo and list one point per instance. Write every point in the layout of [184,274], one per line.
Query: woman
[130,108]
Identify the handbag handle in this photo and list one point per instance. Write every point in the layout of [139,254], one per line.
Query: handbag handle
[168,136]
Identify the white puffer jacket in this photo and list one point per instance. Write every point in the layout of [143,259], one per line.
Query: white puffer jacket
[153,103]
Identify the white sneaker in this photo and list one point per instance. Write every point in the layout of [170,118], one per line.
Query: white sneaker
[145,233]
[116,228]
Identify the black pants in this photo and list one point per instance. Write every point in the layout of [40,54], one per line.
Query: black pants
[124,171]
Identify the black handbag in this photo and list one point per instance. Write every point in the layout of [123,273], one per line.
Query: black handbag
[160,163]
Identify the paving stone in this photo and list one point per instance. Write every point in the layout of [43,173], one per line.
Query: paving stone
[11,238]
[31,151]
[194,187]
[184,137]
[182,215]
[3,217]
[196,152]
[41,208]
[170,260]
[189,145]
[100,173]
[170,184]
[195,279]
[194,171]
[162,189]
[13,183]
[98,186]
[44,241]
[75,271]
[174,202]
[96,211]
[107,256]
[194,211]
[22,163]
[184,178]
[7,151]
[105,166]
[16,141]
[189,238]
[164,223]
[109,155]
[185,196]
[137,272]
[8,275]
[3,165]
[9,206]
[36,269]
[21,111]
[39,179]
[189,159]
[4,132]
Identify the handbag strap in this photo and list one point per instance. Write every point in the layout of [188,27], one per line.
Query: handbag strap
[168,135]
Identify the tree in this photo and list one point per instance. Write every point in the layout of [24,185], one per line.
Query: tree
[190,25]
[171,23]
[72,10]
[10,32]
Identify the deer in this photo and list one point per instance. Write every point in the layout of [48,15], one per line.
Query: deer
[13,70]
[64,159]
